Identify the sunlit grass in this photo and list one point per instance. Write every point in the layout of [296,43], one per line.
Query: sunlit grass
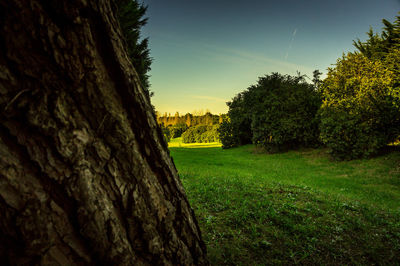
[298,207]
[177,143]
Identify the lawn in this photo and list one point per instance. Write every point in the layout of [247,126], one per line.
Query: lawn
[177,143]
[298,207]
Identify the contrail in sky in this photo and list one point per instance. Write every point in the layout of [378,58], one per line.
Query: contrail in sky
[291,43]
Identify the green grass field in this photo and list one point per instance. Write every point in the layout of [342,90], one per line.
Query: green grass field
[298,207]
[177,143]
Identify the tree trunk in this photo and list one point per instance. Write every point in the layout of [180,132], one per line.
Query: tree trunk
[85,175]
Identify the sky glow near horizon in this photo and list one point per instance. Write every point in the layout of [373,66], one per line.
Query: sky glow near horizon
[205,52]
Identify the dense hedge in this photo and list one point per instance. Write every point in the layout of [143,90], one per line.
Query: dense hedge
[225,132]
[177,130]
[278,113]
[201,134]
[360,113]
[361,110]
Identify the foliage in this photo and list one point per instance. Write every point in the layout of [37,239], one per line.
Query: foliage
[201,134]
[290,208]
[225,132]
[240,121]
[177,130]
[189,119]
[361,113]
[377,47]
[193,134]
[166,133]
[317,79]
[130,15]
[278,113]
[199,128]
[211,135]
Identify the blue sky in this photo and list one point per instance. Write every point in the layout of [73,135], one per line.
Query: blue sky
[205,52]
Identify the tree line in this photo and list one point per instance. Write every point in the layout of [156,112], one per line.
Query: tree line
[192,128]
[354,111]
[189,119]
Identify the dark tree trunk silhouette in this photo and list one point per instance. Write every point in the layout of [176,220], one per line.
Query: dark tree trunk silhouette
[85,175]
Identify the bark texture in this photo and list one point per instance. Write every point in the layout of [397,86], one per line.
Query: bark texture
[85,175]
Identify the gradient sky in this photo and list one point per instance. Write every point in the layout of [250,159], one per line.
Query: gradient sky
[207,51]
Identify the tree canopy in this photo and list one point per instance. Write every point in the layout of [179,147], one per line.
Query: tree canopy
[131,18]
[378,46]
[277,113]
[354,111]
[361,109]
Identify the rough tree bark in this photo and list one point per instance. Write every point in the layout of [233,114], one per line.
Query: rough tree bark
[85,175]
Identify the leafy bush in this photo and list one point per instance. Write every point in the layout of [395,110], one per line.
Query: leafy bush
[360,113]
[177,130]
[225,132]
[201,134]
[211,135]
[166,133]
[193,134]
[361,110]
[278,113]
[239,120]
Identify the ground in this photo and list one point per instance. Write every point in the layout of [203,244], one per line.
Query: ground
[299,207]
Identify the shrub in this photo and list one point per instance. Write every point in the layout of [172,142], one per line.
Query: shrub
[211,135]
[277,113]
[225,132]
[360,113]
[193,134]
[177,130]
[166,133]
[286,115]
[201,134]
